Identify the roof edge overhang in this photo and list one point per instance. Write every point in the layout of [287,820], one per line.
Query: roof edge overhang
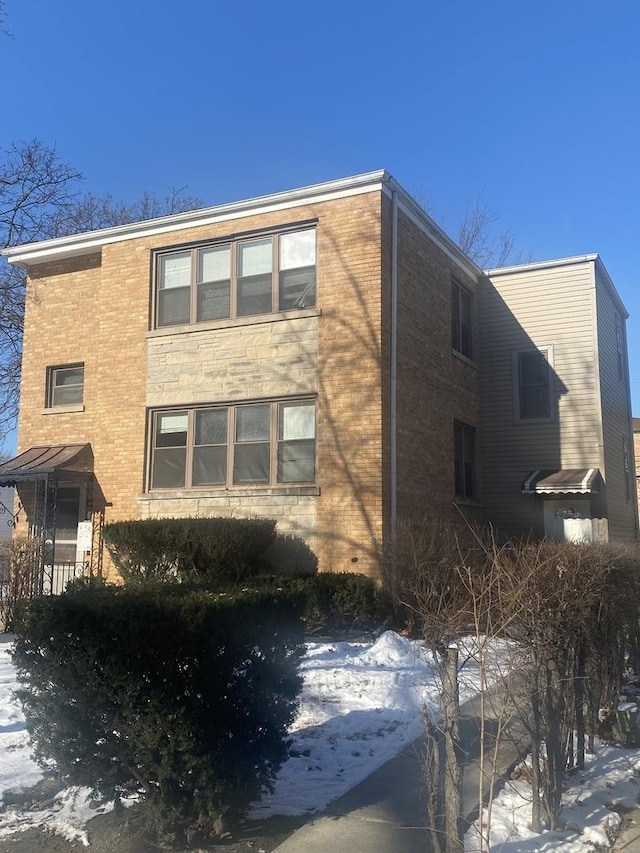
[91,242]
[541,265]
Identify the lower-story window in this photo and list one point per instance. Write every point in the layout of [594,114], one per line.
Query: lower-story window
[264,443]
[464,442]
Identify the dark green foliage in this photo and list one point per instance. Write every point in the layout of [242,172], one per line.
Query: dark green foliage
[173,691]
[215,549]
[331,602]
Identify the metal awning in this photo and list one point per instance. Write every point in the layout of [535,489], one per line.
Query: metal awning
[580,481]
[51,460]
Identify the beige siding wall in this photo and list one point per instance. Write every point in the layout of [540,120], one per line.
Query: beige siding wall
[435,385]
[616,415]
[536,308]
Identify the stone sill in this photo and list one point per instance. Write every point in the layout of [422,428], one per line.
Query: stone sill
[61,410]
[232,323]
[256,492]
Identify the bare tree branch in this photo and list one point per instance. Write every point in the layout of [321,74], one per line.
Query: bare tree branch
[477,237]
[40,198]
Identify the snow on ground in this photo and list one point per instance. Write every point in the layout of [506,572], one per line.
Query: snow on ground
[611,778]
[361,703]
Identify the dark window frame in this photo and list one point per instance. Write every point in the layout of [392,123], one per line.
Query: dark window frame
[282,454]
[461,320]
[55,390]
[465,461]
[265,292]
[526,408]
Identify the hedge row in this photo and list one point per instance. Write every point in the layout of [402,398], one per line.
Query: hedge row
[330,602]
[214,549]
[179,693]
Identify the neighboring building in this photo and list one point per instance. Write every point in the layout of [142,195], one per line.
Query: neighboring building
[314,356]
[556,411]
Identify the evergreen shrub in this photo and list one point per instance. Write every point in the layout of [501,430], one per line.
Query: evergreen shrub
[168,690]
[214,549]
[332,602]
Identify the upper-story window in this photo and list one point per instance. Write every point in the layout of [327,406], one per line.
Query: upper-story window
[237,278]
[461,320]
[65,385]
[533,379]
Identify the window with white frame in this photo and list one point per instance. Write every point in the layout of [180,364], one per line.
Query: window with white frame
[65,385]
[464,452]
[461,320]
[533,384]
[252,444]
[237,278]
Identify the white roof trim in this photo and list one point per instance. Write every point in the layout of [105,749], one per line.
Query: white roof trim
[541,265]
[92,241]
[378,181]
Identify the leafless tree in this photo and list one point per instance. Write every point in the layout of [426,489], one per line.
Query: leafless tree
[40,197]
[478,235]
[479,240]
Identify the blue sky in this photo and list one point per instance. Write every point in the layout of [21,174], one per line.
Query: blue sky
[535,107]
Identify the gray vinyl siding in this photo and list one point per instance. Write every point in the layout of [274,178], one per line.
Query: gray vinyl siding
[520,310]
[616,413]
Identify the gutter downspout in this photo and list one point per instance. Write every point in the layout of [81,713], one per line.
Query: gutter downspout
[393,414]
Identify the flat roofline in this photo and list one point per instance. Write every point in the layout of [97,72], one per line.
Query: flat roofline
[540,265]
[90,242]
[593,258]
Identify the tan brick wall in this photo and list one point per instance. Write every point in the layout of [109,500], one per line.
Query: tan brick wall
[350,394]
[435,386]
[96,310]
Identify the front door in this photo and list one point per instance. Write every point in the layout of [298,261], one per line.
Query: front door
[69,511]
[568,520]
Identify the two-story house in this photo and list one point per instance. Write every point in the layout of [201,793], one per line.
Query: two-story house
[288,356]
[322,356]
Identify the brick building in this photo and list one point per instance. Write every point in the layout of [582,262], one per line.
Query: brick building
[313,356]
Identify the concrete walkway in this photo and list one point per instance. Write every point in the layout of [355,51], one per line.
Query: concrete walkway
[385,813]
[629,839]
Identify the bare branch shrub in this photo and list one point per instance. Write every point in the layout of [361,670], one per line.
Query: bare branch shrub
[570,613]
[19,574]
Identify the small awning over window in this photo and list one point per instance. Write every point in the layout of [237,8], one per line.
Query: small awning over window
[52,460]
[581,481]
